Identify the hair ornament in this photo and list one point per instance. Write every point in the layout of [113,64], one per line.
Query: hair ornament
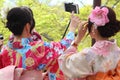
[99,16]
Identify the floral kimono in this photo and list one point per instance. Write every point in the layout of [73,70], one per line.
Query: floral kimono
[35,36]
[100,62]
[36,55]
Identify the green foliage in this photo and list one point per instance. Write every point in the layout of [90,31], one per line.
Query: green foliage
[3,30]
[1,3]
[51,21]
[84,12]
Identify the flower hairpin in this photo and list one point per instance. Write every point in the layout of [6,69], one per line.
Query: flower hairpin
[99,16]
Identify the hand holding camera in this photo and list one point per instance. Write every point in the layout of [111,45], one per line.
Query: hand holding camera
[71,7]
[75,20]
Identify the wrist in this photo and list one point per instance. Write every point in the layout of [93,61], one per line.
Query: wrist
[72,30]
[74,44]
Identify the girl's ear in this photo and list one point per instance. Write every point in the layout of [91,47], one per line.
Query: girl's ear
[92,30]
[27,27]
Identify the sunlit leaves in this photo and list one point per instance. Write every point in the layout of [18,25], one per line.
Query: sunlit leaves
[51,21]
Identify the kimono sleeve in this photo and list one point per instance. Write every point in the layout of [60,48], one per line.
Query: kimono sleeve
[68,39]
[75,65]
[52,50]
[62,45]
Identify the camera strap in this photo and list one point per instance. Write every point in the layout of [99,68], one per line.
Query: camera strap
[66,29]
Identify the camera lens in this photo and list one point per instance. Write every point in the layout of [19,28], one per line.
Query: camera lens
[1,37]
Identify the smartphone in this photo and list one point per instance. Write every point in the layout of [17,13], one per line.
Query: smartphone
[69,7]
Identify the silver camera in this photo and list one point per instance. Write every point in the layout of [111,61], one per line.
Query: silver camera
[69,7]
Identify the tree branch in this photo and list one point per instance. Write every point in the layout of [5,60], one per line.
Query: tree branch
[47,37]
[115,3]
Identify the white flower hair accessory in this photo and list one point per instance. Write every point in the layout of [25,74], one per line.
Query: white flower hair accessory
[99,16]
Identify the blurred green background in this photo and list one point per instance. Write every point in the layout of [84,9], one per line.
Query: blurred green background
[51,20]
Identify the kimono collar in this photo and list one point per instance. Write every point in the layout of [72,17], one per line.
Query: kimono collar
[19,44]
[103,47]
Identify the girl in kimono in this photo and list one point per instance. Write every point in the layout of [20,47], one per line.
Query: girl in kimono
[23,52]
[102,60]
[35,36]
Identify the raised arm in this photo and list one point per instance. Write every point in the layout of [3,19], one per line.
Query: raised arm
[66,41]
[51,51]
[74,64]
[72,28]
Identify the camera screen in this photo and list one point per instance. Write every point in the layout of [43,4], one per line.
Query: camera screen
[69,7]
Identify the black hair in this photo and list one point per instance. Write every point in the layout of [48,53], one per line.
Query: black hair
[110,28]
[30,12]
[17,18]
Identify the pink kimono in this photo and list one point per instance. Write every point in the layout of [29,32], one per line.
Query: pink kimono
[99,62]
[13,73]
